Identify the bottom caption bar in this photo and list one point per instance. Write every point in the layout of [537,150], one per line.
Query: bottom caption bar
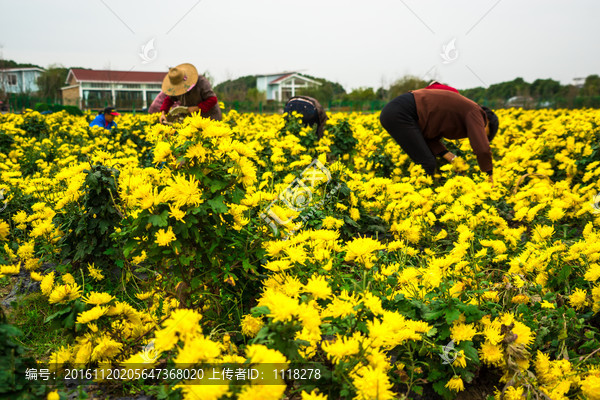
[201,374]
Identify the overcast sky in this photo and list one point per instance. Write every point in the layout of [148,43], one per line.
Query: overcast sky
[356,43]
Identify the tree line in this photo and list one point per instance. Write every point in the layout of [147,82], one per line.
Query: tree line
[518,92]
[537,94]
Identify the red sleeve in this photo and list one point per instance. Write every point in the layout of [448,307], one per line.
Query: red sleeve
[167,104]
[442,87]
[207,104]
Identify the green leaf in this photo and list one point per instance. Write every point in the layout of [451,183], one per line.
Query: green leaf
[262,310]
[159,220]
[217,205]
[57,314]
[432,314]
[217,185]
[452,314]
[431,332]
[470,352]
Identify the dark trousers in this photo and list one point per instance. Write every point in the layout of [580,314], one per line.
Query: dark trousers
[399,118]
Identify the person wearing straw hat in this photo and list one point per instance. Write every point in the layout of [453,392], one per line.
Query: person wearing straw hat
[184,84]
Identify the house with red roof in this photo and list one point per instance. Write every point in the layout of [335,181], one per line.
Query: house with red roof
[281,86]
[125,90]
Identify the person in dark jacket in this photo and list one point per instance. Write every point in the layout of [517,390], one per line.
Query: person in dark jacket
[312,112]
[419,119]
[105,119]
[183,84]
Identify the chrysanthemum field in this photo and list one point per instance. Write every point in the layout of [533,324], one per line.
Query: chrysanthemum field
[249,242]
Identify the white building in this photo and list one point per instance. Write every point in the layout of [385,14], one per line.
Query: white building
[282,86]
[87,88]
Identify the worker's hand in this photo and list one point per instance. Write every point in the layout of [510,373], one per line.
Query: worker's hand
[449,157]
[163,118]
[193,109]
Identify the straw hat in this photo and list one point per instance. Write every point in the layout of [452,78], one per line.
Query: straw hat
[180,79]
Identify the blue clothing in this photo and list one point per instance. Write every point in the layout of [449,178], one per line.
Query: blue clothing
[101,122]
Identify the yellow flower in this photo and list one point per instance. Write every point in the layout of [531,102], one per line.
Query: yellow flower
[314,395]
[361,249]
[163,238]
[183,191]
[520,299]
[462,332]
[53,395]
[460,361]
[555,214]
[91,315]
[251,325]
[162,150]
[36,276]
[545,304]
[318,287]
[4,230]
[372,383]
[144,295]
[68,279]
[281,306]
[10,269]
[278,265]
[259,354]
[98,298]
[95,273]
[578,299]
[590,386]
[177,214]
[106,348]
[455,384]
[332,223]
[513,393]
[341,347]
[64,293]
[47,283]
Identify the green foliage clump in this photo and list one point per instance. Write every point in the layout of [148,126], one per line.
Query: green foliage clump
[87,230]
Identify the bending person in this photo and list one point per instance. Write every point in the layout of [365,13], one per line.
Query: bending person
[312,112]
[193,91]
[419,119]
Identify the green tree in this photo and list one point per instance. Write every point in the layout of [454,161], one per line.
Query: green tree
[362,94]
[51,80]
[545,89]
[591,87]
[327,91]
[255,96]
[404,84]
[236,89]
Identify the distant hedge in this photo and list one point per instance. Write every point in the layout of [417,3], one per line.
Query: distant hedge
[44,107]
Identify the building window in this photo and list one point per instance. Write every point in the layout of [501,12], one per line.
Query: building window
[97,98]
[150,96]
[11,79]
[129,100]
[97,85]
[130,86]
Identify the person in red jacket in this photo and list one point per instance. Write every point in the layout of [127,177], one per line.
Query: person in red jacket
[184,84]
[419,119]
